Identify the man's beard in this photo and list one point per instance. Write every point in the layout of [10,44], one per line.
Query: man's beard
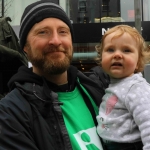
[47,65]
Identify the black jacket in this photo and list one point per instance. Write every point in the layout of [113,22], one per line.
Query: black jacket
[30,115]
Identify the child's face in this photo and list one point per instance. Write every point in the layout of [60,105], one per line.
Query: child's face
[120,55]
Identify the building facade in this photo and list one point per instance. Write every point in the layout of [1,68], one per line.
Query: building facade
[90,19]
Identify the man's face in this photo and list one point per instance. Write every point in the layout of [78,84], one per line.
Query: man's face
[49,47]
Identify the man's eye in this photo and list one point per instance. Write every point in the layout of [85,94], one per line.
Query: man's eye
[63,31]
[43,32]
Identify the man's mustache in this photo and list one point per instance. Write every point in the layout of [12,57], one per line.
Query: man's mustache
[50,50]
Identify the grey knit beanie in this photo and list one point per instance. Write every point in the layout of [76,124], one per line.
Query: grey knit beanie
[38,11]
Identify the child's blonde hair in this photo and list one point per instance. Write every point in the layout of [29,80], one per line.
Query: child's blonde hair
[121,29]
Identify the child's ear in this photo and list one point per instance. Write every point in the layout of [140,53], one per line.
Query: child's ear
[137,67]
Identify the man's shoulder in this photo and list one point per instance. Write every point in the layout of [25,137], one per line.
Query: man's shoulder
[14,101]
[99,76]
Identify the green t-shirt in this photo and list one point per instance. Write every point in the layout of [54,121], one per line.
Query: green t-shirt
[79,121]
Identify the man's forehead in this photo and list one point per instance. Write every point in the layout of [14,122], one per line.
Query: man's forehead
[51,22]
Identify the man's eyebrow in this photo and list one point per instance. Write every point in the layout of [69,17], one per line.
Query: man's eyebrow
[40,28]
[66,28]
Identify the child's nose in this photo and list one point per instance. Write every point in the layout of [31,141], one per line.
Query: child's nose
[117,55]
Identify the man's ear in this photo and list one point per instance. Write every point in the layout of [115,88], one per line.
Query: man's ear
[25,49]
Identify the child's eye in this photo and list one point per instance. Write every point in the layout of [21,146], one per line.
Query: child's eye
[127,50]
[110,50]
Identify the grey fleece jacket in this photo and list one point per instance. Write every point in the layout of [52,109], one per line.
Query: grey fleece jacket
[124,114]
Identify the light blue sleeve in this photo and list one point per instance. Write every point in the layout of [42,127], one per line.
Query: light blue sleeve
[138,104]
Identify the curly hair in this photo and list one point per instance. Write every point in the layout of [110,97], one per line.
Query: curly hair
[121,29]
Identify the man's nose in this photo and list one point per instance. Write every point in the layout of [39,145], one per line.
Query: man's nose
[55,39]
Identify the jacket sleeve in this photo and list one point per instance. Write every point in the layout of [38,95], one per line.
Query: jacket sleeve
[138,104]
[15,123]
[98,75]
